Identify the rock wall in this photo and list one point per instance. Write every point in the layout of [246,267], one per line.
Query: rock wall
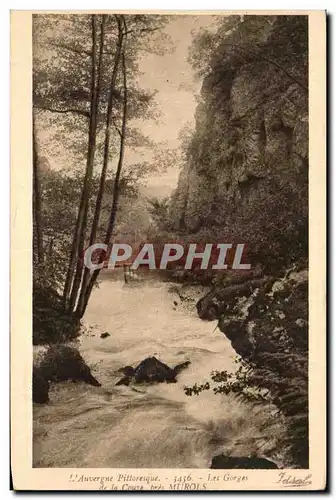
[246,180]
[266,321]
[250,143]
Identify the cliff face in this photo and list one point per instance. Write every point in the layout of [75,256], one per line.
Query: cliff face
[249,151]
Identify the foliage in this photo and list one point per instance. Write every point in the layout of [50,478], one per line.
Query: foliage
[252,39]
[61,79]
[260,386]
[158,209]
[50,323]
[60,195]
[277,234]
[241,383]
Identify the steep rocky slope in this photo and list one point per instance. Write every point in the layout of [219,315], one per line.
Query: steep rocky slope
[266,321]
[246,172]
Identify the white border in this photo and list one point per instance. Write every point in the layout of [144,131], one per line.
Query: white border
[4,198]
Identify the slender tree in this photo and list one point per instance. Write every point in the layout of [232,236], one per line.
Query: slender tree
[79,240]
[94,227]
[116,189]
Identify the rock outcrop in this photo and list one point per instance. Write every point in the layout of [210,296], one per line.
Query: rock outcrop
[57,364]
[224,462]
[62,362]
[272,317]
[246,171]
[151,370]
[268,327]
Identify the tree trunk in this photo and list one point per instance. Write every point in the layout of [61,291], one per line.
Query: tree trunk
[79,266]
[37,216]
[116,189]
[83,208]
[86,277]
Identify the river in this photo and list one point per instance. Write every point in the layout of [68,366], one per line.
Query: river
[152,426]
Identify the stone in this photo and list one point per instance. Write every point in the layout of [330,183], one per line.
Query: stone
[253,462]
[62,362]
[181,366]
[151,370]
[124,381]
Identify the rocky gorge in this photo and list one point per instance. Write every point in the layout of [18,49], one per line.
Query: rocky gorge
[241,399]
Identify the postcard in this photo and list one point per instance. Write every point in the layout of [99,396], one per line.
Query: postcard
[168,250]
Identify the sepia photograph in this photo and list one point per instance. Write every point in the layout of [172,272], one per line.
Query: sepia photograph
[170,272]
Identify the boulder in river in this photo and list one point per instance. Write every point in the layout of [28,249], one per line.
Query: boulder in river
[124,381]
[151,370]
[57,364]
[180,367]
[253,462]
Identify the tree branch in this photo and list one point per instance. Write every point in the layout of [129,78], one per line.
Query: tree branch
[292,77]
[97,78]
[81,52]
[270,61]
[116,126]
[143,30]
[63,111]
[85,288]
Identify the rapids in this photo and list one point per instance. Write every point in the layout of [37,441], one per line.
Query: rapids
[149,426]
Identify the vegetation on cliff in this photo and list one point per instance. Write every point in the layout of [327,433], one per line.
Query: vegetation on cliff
[246,163]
